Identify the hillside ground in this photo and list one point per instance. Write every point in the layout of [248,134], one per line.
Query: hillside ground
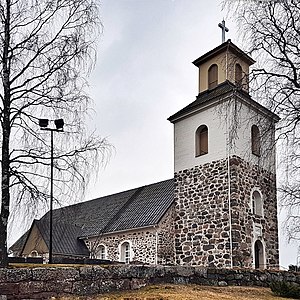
[188,292]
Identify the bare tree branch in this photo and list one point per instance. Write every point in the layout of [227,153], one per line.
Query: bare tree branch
[271,31]
[47,50]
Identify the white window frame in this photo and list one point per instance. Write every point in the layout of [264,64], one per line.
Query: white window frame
[254,207]
[101,255]
[127,254]
[199,140]
[34,253]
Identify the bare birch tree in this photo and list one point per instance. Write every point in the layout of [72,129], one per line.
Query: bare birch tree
[271,31]
[47,49]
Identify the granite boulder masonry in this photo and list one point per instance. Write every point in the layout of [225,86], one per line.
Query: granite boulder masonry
[43,283]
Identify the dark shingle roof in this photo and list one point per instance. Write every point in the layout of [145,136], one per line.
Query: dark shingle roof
[228,45]
[146,209]
[222,89]
[92,216]
[65,238]
[18,245]
[136,208]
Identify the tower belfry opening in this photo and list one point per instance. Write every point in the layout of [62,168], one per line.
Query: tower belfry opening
[228,62]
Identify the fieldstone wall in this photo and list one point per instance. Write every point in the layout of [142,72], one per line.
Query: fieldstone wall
[142,242]
[150,245]
[165,242]
[245,178]
[43,283]
[202,218]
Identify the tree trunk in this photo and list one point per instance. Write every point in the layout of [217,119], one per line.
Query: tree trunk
[5,195]
[5,200]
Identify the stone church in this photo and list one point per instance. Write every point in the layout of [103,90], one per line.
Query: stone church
[219,210]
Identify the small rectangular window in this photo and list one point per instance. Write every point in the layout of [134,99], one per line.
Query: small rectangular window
[102,253]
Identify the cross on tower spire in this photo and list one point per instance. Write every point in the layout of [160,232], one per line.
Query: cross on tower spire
[224,29]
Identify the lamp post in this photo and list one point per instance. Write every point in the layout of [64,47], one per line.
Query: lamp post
[59,124]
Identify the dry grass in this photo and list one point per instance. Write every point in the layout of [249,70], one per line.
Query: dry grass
[189,292]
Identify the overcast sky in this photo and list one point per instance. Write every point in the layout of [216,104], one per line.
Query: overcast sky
[144,74]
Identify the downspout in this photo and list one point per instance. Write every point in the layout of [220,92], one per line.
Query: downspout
[156,245]
[229,192]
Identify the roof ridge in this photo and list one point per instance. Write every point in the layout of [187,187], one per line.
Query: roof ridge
[222,48]
[105,196]
[121,210]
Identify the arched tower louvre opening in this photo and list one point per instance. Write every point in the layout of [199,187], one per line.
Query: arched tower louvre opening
[213,76]
[238,75]
[201,140]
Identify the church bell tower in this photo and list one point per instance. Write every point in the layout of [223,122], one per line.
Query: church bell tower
[225,183]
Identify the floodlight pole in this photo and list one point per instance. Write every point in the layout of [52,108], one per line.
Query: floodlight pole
[51,202]
[59,128]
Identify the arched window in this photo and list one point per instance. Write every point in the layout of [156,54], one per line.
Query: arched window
[257,204]
[201,140]
[101,253]
[238,75]
[255,140]
[259,255]
[125,253]
[33,253]
[212,76]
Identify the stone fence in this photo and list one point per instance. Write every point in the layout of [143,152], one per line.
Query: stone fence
[42,283]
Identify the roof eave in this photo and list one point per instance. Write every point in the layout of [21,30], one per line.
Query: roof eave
[263,110]
[69,254]
[182,114]
[118,231]
[195,110]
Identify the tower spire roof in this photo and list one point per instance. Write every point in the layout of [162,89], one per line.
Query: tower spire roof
[228,45]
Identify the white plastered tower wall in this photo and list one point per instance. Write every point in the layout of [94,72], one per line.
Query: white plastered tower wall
[229,121]
[215,222]
[184,138]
